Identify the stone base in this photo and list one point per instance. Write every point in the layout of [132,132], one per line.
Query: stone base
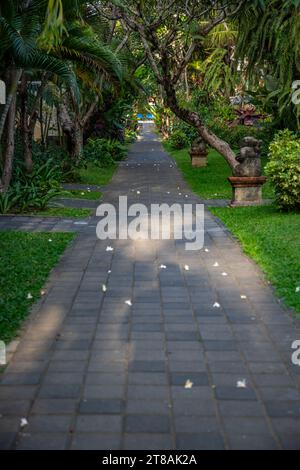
[198,162]
[246,190]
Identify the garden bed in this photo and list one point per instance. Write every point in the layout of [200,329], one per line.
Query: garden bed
[209,182]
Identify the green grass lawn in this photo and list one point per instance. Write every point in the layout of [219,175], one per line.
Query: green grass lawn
[95,175]
[209,182]
[272,239]
[25,262]
[67,212]
[83,194]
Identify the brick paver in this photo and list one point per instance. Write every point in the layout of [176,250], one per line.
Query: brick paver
[91,372]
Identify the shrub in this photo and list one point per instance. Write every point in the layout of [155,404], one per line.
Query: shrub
[178,139]
[103,152]
[283,169]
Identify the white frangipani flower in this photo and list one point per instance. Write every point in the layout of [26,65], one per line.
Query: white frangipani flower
[224,274]
[297,289]
[23,422]
[206,250]
[104,288]
[241,383]
[188,384]
[163,266]
[216,264]
[128,302]
[186,267]
[243,296]
[29,295]
[109,248]
[216,305]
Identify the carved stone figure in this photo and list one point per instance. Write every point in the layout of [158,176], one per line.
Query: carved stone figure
[249,158]
[198,153]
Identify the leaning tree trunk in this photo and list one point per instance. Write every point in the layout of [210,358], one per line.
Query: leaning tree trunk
[193,118]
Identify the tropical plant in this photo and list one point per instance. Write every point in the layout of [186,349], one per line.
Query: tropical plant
[283,169]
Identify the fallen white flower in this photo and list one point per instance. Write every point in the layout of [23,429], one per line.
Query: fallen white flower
[163,266]
[206,250]
[224,274]
[188,384]
[43,292]
[109,248]
[216,305]
[243,296]
[82,193]
[109,271]
[23,422]
[29,296]
[216,264]
[128,302]
[186,267]
[241,383]
[50,240]
[138,192]
[297,289]
[179,194]
[104,288]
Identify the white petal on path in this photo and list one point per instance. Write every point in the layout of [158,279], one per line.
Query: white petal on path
[188,384]
[241,383]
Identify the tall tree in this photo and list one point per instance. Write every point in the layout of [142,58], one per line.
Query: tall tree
[164,24]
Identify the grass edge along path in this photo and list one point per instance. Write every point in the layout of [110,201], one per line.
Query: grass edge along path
[208,182]
[272,239]
[26,260]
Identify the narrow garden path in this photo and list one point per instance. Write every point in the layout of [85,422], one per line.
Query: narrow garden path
[169,371]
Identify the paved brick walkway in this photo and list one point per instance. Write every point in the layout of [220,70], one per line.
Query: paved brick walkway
[94,373]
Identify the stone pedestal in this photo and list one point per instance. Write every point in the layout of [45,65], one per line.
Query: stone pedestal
[198,160]
[246,190]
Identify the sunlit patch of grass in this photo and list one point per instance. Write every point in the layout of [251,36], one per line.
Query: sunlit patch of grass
[209,182]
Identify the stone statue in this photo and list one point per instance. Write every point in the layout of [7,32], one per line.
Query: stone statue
[249,158]
[199,146]
[198,152]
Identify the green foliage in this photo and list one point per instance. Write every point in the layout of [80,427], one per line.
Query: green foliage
[33,190]
[283,169]
[104,152]
[272,239]
[178,139]
[269,48]
[30,257]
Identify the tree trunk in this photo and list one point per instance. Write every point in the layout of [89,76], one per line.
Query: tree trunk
[15,77]
[193,118]
[9,145]
[77,141]
[25,131]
